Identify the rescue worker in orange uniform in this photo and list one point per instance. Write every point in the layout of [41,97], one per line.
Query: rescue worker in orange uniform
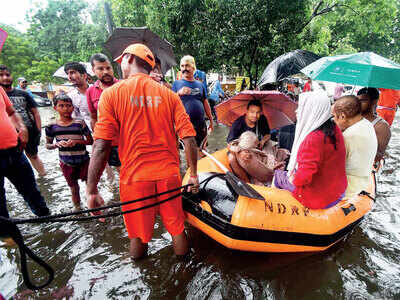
[387,104]
[147,117]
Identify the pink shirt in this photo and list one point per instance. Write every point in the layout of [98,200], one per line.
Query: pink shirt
[8,134]
[93,94]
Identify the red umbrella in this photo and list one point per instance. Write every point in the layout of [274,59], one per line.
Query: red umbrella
[278,108]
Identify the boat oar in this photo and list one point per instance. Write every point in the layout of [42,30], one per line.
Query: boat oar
[238,185]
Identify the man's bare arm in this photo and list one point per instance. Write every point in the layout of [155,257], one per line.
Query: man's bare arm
[383,135]
[191,158]
[191,154]
[207,109]
[18,124]
[93,120]
[15,118]
[98,161]
[49,143]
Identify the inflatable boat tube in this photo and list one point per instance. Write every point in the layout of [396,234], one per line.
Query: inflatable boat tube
[277,224]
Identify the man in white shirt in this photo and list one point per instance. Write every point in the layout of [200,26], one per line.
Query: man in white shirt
[360,140]
[368,98]
[78,76]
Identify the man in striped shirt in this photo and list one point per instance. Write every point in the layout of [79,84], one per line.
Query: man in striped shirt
[71,135]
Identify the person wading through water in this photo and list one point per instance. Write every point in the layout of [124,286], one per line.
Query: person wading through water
[147,117]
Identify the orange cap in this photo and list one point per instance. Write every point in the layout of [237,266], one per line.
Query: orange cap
[140,51]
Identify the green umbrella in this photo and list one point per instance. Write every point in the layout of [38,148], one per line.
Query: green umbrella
[363,69]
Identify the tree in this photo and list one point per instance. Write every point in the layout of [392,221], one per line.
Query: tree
[248,34]
[240,36]
[17,52]
[61,32]
[42,70]
[355,26]
[130,13]
[244,34]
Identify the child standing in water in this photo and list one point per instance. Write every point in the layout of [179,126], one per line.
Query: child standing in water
[72,136]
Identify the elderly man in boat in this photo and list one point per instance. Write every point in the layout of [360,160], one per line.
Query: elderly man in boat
[252,155]
[360,141]
[251,164]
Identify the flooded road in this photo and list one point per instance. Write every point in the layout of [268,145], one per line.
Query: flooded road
[91,259]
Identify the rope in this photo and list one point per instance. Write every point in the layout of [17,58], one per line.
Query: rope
[58,216]
[8,227]
[115,214]
[364,193]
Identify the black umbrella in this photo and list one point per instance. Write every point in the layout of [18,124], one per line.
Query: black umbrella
[122,37]
[287,64]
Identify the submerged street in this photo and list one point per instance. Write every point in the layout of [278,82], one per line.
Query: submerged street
[91,259]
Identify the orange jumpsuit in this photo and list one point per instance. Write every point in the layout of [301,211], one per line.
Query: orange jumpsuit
[146,116]
[387,104]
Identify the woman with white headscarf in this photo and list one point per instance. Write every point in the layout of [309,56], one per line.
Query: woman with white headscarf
[317,162]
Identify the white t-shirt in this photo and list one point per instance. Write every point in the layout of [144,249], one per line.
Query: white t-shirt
[361,146]
[81,110]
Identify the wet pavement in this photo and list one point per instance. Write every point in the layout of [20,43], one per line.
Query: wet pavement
[91,258]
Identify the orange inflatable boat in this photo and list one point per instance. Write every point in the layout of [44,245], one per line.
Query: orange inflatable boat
[277,224]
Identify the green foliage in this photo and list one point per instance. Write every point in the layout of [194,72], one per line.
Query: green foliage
[237,36]
[17,52]
[356,26]
[134,13]
[43,70]
[245,35]
[237,33]
[61,32]
[54,29]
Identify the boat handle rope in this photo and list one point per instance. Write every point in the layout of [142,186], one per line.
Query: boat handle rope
[364,193]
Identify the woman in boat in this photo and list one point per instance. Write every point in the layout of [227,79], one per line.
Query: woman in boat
[316,169]
[251,164]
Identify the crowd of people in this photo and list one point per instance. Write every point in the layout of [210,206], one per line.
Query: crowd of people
[331,149]
[136,122]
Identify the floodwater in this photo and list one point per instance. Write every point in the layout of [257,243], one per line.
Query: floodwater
[91,259]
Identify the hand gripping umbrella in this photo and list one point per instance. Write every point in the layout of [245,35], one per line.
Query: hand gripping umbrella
[122,37]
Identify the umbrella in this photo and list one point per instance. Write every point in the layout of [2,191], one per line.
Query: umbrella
[363,69]
[277,108]
[122,37]
[287,64]
[60,71]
